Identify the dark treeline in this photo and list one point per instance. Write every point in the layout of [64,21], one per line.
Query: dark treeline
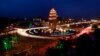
[4,22]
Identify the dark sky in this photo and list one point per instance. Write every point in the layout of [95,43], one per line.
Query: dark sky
[65,8]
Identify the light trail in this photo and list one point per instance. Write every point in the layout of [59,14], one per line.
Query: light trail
[23,32]
[86,30]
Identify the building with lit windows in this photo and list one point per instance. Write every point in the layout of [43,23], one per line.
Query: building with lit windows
[53,19]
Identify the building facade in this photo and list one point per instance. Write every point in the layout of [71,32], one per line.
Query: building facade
[53,19]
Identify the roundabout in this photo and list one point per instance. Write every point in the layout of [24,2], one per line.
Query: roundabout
[44,32]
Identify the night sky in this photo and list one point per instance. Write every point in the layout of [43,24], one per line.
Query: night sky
[34,8]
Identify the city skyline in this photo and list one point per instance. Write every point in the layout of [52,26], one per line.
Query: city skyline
[34,8]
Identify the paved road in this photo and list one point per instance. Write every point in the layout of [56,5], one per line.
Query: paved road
[22,32]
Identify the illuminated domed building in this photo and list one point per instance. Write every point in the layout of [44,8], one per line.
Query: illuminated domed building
[53,19]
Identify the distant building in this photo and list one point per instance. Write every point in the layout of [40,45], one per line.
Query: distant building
[53,18]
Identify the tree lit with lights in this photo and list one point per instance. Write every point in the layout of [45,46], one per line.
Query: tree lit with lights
[60,45]
[15,39]
[7,45]
[30,25]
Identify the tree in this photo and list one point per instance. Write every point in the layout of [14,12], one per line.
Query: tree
[7,45]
